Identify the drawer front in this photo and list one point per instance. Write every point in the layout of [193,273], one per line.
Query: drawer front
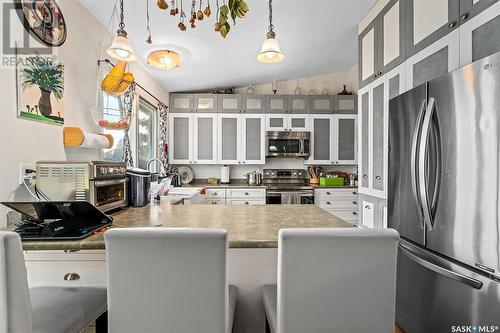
[339,204]
[335,194]
[350,216]
[246,202]
[247,193]
[52,273]
[215,193]
[210,201]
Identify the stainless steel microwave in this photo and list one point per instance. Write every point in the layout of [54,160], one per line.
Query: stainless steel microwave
[288,144]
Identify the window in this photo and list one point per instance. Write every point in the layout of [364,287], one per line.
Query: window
[143,131]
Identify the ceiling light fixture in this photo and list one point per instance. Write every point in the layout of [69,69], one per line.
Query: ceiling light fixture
[164,59]
[270,52]
[120,48]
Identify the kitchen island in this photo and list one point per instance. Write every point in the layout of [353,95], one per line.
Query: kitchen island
[252,255]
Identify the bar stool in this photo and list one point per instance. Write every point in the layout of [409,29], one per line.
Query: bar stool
[168,280]
[333,280]
[42,309]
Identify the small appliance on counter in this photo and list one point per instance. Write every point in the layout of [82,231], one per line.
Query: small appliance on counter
[62,220]
[102,183]
[139,187]
[224,174]
[254,178]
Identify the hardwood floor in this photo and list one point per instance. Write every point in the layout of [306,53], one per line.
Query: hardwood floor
[398,330]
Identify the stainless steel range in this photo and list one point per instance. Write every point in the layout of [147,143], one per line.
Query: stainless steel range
[287,186]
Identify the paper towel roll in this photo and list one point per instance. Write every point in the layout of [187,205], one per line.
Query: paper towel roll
[91,140]
[76,137]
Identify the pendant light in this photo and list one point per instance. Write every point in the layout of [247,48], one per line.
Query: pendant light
[270,52]
[120,48]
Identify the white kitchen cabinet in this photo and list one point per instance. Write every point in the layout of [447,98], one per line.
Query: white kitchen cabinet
[480,36]
[287,122]
[241,139]
[341,202]
[235,196]
[373,135]
[368,215]
[333,139]
[205,139]
[427,21]
[193,138]
[180,138]
[434,61]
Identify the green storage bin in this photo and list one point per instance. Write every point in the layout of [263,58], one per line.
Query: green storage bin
[337,181]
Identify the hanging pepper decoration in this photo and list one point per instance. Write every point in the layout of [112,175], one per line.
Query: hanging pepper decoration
[148,23]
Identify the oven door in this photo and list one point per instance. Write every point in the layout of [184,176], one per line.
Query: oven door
[278,197]
[109,194]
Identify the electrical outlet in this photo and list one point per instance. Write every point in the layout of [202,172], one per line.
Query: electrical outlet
[24,171]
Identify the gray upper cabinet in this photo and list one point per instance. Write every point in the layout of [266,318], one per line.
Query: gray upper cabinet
[382,44]
[346,104]
[229,103]
[253,103]
[321,104]
[205,103]
[298,104]
[428,21]
[277,103]
[471,8]
[181,103]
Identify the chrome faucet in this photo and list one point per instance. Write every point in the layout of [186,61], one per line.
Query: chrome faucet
[162,165]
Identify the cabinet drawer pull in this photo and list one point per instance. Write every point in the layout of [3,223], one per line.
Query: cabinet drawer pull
[367,207]
[354,202]
[214,193]
[464,17]
[214,203]
[247,203]
[354,192]
[71,276]
[328,203]
[452,24]
[328,193]
[354,213]
[378,178]
[246,193]
[365,176]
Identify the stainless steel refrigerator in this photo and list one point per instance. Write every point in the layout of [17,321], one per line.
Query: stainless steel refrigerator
[444,199]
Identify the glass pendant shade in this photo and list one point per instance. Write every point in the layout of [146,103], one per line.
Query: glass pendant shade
[120,48]
[164,59]
[271,51]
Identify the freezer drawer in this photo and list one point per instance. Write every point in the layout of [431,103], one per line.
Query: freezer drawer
[434,295]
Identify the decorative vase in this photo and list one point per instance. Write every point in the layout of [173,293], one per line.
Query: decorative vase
[44,105]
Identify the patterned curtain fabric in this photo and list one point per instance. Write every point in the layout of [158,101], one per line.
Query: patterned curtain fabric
[128,106]
[163,132]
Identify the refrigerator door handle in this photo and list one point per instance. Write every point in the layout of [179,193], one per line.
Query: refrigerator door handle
[414,156]
[423,148]
[474,283]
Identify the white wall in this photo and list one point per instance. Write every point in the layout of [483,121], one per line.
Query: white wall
[23,141]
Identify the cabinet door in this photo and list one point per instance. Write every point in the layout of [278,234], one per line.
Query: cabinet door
[205,139]
[321,140]
[377,137]
[181,103]
[180,139]
[321,104]
[229,139]
[427,21]
[480,36]
[346,104]
[253,140]
[253,103]
[368,214]
[205,103]
[367,54]
[229,103]
[364,135]
[433,62]
[299,122]
[276,103]
[276,122]
[345,139]
[470,8]
[298,104]
[393,48]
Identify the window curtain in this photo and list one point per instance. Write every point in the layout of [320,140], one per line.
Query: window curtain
[128,107]
[163,132]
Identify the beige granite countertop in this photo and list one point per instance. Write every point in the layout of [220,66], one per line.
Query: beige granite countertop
[242,183]
[247,226]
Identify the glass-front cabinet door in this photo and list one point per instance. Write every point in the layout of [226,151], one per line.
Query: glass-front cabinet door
[205,103]
[321,104]
[253,103]
[229,139]
[298,104]
[321,140]
[298,122]
[276,122]
[181,103]
[253,136]
[229,103]
[345,139]
[276,103]
[181,129]
[205,139]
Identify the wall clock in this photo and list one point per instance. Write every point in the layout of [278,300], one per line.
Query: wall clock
[44,21]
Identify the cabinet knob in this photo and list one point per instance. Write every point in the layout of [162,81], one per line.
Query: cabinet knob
[246,193]
[354,213]
[354,202]
[214,203]
[247,203]
[464,17]
[452,24]
[354,192]
[328,193]
[367,207]
[214,193]
[71,276]
[328,203]
[378,178]
[365,176]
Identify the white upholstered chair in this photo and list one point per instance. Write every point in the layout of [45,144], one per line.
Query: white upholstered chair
[163,280]
[42,309]
[333,281]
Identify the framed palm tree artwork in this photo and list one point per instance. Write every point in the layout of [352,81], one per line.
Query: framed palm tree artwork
[41,90]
